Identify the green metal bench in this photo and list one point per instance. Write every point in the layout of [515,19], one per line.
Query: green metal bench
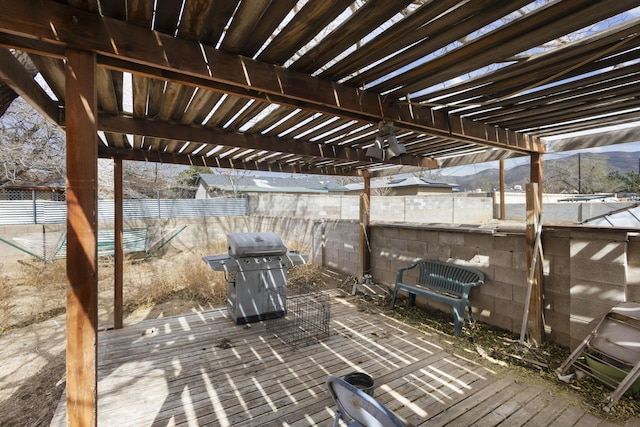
[441,281]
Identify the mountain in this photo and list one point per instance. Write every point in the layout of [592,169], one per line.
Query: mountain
[558,170]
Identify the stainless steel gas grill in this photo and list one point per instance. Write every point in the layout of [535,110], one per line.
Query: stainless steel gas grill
[256,272]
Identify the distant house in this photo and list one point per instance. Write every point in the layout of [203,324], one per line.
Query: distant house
[216,185]
[406,185]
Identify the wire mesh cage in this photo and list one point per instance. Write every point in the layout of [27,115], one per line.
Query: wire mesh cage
[307,317]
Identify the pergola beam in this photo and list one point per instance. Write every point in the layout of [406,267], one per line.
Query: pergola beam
[222,162]
[18,78]
[127,47]
[214,136]
[599,139]
[487,156]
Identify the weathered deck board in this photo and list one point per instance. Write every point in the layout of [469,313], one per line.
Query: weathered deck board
[173,371]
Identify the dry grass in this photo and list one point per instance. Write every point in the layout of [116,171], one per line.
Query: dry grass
[41,275]
[300,245]
[39,291]
[191,279]
[7,294]
[42,287]
[306,276]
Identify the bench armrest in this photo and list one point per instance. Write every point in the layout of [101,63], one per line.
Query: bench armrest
[401,271]
[466,288]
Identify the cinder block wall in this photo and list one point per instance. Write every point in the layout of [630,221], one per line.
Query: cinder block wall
[440,208]
[586,271]
[335,245]
[304,205]
[501,257]
[598,277]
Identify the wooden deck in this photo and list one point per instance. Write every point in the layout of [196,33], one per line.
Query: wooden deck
[181,371]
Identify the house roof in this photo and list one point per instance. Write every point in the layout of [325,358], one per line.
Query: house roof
[294,86]
[252,184]
[401,182]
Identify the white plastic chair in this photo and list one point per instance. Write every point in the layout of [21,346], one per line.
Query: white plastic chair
[356,408]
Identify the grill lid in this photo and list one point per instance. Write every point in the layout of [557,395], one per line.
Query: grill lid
[250,244]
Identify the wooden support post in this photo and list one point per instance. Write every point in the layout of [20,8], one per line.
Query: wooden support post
[535,327]
[82,240]
[118,261]
[502,208]
[364,266]
[536,174]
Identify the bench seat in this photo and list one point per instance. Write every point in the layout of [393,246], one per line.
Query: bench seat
[441,281]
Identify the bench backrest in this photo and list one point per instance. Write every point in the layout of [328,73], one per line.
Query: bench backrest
[450,278]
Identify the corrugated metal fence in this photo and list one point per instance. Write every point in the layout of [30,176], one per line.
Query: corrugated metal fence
[17,212]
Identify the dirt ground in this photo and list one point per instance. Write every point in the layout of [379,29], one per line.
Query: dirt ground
[33,323]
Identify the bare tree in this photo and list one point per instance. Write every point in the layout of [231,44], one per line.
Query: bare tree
[576,174]
[32,150]
[235,178]
[143,180]
[382,191]
[184,185]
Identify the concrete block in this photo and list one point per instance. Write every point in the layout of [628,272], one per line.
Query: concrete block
[480,241]
[595,291]
[557,328]
[487,270]
[500,257]
[438,251]
[633,294]
[510,275]
[496,289]
[633,250]
[480,261]
[511,243]
[387,278]
[416,247]
[483,303]
[519,260]
[552,244]
[515,310]
[557,265]
[389,232]
[451,238]
[463,252]
[599,251]
[407,234]
[557,303]
[593,271]
[380,264]
[499,320]
[603,234]
[633,275]
[428,236]
[557,284]
[519,293]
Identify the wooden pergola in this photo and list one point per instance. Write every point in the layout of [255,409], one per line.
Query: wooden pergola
[302,87]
